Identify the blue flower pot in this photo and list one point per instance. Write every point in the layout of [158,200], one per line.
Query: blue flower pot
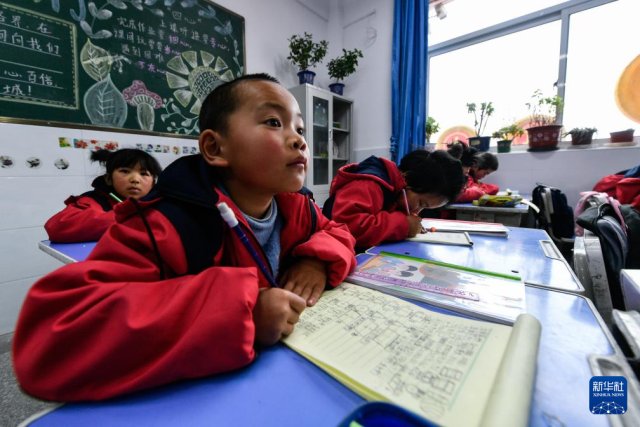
[337,88]
[480,143]
[306,76]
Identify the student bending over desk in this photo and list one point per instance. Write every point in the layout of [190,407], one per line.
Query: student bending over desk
[380,201]
[483,165]
[170,292]
[129,173]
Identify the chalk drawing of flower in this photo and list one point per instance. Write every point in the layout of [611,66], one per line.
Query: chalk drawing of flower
[194,78]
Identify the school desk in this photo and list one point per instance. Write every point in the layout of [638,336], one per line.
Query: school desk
[67,252]
[513,216]
[283,389]
[528,251]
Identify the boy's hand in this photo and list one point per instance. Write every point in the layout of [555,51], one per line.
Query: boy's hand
[274,315]
[307,278]
[415,225]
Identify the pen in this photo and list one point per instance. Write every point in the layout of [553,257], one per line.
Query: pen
[406,202]
[116,198]
[231,220]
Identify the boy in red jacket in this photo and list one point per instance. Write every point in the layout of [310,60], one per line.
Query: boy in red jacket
[147,307]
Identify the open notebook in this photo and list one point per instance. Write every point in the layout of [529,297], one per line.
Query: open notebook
[450,370]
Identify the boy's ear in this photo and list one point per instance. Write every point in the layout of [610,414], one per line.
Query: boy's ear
[107,179]
[210,148]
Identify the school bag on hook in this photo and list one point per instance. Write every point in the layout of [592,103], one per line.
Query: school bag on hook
[555,216]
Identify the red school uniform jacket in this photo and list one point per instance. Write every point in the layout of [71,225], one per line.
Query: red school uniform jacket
[85,217]
[473,190]
[363,196]
[112,325]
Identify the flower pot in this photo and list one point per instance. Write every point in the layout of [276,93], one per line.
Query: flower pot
[622,136]
[306,76]
[504,146]
[543,138]
[480,143]
[336,88]
[581,139]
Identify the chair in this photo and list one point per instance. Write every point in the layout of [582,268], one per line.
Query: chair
[555,217]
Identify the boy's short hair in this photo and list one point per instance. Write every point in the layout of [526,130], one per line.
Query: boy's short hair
[487,160]
[437,172]
[223,101]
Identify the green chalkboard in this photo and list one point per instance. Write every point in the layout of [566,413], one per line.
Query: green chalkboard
[140,65]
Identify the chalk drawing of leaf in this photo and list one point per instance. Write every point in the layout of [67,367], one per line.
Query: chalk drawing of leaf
[95,61]
[118,4]
[86,28]
[99,14]
[102,34]
[105,105]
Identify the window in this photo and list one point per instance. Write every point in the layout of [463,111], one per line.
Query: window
[507,62]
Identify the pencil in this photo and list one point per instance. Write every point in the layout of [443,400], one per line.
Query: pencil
[116,198]
[406,202]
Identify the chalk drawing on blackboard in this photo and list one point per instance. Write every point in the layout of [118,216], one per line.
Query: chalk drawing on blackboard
[145,101]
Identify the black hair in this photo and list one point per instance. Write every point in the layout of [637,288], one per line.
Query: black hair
[126,158]
[464,153]
[224,100]
[437,172]
[487,160]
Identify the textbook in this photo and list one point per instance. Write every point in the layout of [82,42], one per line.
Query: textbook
[446,238]
[451,370]
[471,227]
[481,294]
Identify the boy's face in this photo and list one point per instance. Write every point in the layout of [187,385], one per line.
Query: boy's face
[263,150]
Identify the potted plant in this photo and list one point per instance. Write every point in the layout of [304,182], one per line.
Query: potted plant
[506,135]
[622,136]
[341,67]
[581,136]
[544,131]
[305,53]
[431,126]
[481,116]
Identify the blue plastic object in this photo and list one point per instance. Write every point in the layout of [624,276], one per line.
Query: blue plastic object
[382,414]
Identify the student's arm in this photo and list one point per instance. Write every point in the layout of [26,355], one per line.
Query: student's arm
[82,220]
[109,325]
[470,193]
[359,204]
[332,244]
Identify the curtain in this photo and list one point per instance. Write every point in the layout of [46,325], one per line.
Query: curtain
[408,76]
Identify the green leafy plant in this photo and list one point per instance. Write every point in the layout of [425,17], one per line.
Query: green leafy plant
[544,109]
[581,135]
[344,65]
[508,133]
[304,52]
[481,115]
[431,126]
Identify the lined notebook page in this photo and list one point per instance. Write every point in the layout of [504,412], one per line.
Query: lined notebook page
[442,367]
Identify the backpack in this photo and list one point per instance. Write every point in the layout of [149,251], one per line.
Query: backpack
[594,198]
[604,223]
[555,216]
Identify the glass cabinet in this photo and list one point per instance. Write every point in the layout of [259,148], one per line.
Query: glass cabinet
[327,119]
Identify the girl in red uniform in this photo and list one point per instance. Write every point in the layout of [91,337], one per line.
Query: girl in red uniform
[129,173]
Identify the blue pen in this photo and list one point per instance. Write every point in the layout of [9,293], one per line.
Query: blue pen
[231,220]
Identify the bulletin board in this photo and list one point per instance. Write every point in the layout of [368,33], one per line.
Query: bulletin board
[139,65]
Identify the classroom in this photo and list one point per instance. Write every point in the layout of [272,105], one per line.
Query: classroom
[453,68]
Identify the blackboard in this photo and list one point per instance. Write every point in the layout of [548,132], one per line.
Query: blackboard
[141,65]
